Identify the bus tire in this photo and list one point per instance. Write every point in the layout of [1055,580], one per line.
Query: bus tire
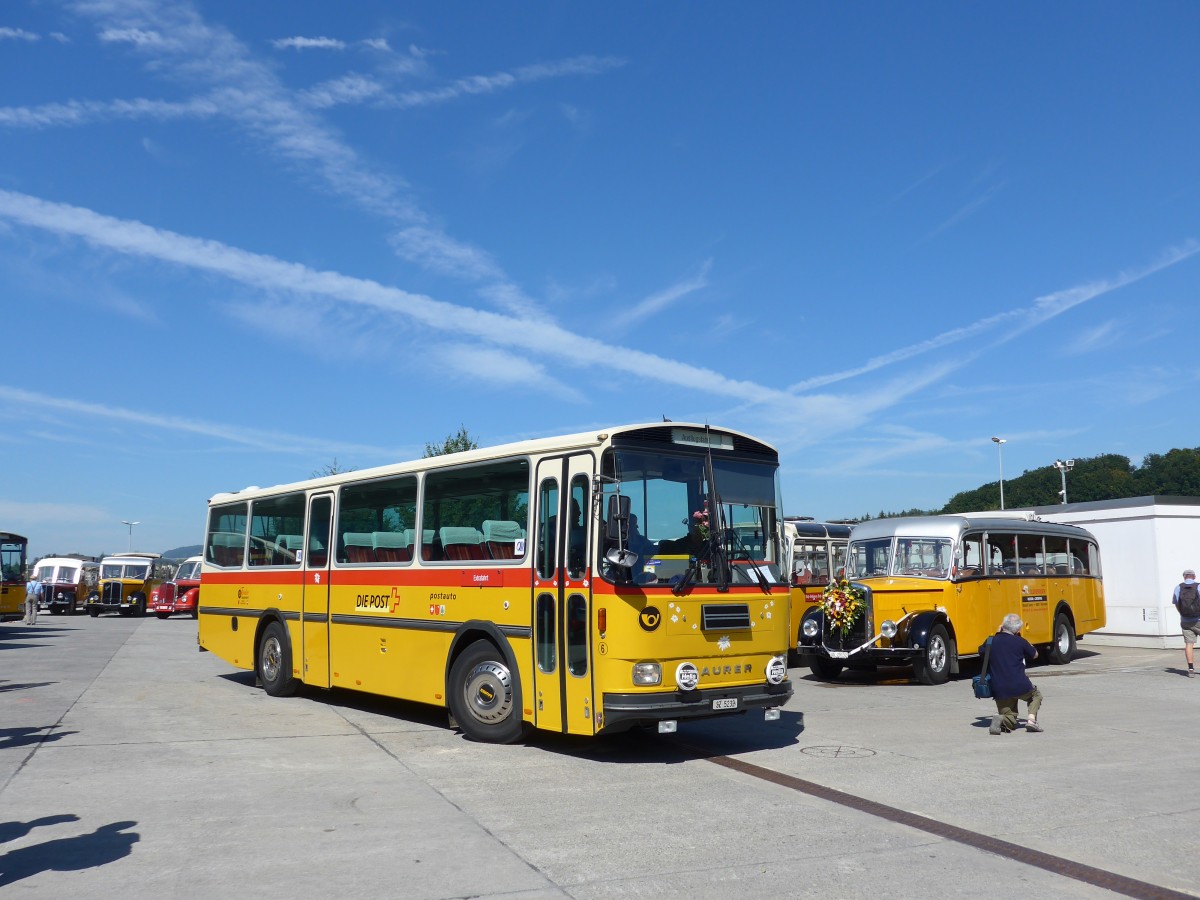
[826,669]
[482,696]
[162,615]
[1062,650]
[93,613]
[933,665]
[274,662]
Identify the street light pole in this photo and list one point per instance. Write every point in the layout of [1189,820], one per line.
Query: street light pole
[1000,442]
[1064,466]
[130,524]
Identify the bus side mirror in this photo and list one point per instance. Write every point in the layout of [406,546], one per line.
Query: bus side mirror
[617,531]
[617,520]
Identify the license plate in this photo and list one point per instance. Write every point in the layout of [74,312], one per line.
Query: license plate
[839,654]
[725,703]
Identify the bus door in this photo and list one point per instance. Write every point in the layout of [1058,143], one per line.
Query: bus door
[563,697]
[314,623]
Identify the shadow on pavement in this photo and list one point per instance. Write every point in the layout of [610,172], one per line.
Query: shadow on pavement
[106,844]
[22,737]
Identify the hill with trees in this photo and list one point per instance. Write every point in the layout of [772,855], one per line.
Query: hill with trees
[1110,476]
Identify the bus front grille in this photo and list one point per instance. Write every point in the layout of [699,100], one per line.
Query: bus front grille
[725,617]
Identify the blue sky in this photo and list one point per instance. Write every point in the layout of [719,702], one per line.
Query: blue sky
[239,241]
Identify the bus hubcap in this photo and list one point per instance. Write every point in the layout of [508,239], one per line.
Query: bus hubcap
[272,653]
[937,655]
[489,692]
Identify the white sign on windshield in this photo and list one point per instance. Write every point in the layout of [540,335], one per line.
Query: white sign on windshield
[701,439]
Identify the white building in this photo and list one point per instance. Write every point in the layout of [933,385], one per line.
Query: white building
[1145,544]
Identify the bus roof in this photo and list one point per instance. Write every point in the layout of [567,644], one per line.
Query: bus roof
[64,561]
[11,537]
[121,557]
[564,443]
[802,529]
[954,526]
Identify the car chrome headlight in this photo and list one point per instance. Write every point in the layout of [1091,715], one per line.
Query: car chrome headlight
[777,670]
[687,676]
[888,629]
[647,673]
[810,628]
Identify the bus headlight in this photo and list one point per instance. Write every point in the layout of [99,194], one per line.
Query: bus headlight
[777,670]
[647,673]
[888,629]
[810,628]
[687,676]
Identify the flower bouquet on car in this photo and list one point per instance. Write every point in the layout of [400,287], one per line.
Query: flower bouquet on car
[843,605]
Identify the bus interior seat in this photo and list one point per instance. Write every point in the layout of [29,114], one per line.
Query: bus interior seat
[392,546]
[286,548]
[360,546]
[462,543]
[431,547]
[1062,569]
[500,538]
[228,548]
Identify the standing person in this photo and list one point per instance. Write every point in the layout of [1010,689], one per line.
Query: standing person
[1187,602]
[33,595]
[1010,684]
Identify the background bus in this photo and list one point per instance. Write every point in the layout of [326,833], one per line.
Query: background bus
[13,549]
[814,553]
[66,583]
[936,587]
[563,584]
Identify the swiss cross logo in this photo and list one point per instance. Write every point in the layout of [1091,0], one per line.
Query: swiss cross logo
[395,597]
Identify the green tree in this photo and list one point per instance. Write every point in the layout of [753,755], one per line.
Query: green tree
[454,443]
[333,468]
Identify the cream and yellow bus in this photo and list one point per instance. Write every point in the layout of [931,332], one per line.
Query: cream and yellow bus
[815,553]
[581,584]
[935,587]
[13,549]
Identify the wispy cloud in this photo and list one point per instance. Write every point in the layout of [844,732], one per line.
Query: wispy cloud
[307,43]
[1013,322]
[133,36]
[659,301]
[51,513]
[236,434]
[18,34]
[532,335]
[488,84]
[178,42]
[1104,335]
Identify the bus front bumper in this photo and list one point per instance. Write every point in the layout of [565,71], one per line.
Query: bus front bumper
[624,711]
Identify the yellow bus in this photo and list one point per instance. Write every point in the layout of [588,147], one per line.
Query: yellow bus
[126,582]
[814,553]
[580,584]
[13,550]
[935,587]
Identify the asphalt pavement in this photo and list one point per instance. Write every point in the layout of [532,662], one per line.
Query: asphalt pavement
[132,764]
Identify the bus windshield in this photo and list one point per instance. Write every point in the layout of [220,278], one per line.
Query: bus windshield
[919,556]
[673,521]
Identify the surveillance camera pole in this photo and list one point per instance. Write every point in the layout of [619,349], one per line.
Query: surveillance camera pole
[1064,466]
[1000,442]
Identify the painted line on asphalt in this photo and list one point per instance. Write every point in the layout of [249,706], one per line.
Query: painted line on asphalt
[1101,878]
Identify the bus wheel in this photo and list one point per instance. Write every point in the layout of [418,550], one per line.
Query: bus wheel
[93,613]
[482,696]
[826,669]
[1063,648]
[162,615]
[933,667]
[275,662]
